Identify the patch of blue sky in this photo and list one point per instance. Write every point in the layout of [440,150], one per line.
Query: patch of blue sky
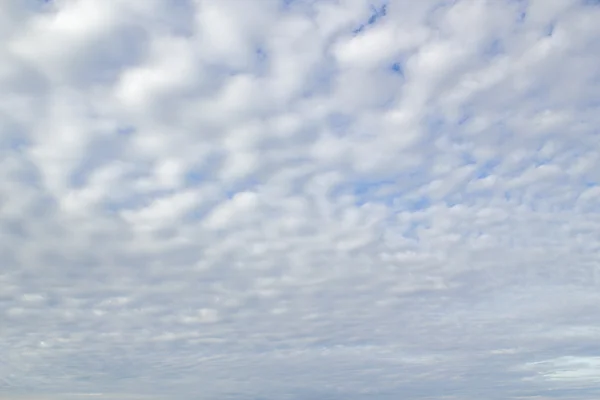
[451,123]
[468,158]
[522,16]
[486,169]
[321,81]
[100,152]
[540,159]
[520,9]
[200,212]
[367,191]
[397,69]
[591,2]
[126,131]
[13,143]
[514,196]
[416,204]
[12,135]
[434,123]
[109,58]
[261,54]
[260,63]
[118,202]
[245,185]
[549,28]
[464,118]
[377,13]
[288,3]
[494,48]
[456,198]
[410,230]
[182,20]
[193,177]
[389,193]
[202,171]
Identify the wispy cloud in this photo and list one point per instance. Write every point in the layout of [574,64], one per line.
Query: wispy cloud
[299,199]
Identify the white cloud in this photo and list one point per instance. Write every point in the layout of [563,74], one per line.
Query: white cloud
[341,199]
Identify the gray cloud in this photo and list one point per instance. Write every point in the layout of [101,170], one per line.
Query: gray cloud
[299,199]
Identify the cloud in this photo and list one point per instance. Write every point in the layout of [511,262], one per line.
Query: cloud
[299,199]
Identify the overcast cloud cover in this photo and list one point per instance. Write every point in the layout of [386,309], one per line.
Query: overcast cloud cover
[301,199]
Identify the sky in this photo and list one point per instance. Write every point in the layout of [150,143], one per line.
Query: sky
[300,199]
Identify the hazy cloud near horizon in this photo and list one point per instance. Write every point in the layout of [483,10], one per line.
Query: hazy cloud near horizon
[300,199]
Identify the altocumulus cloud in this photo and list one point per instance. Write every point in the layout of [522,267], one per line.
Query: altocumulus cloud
[299,199]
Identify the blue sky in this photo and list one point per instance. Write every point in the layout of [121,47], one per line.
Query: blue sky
[299,200]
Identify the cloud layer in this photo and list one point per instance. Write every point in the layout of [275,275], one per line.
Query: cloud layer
[299,199]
